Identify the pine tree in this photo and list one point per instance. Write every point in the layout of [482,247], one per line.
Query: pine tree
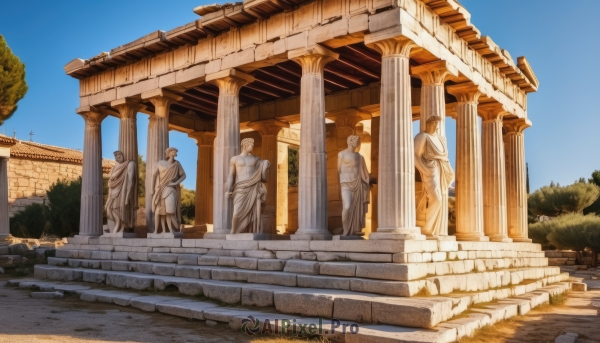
[12,81]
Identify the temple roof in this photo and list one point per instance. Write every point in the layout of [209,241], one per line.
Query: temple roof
[220,18]
[43,152]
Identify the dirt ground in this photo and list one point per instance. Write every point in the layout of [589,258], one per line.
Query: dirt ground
[69,320]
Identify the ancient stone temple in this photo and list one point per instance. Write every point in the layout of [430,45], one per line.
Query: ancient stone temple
[310,74]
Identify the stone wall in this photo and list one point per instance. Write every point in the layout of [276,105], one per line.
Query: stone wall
[29,180]
[566,258]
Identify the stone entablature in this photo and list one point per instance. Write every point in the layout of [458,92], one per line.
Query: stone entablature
[33,168]
[266,42]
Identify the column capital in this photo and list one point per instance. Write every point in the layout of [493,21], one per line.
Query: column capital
[203,138]
[465,92]
[127,108]
[92,115]
[229,81]
[348,117]
[270,127]
[492,111]
[516,125]
[161,99]
[435,73]
[312,59]
[397,40]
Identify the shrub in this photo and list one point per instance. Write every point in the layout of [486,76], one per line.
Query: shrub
[64,202]
[293,163]
[574,231]
[555,200]
[31,222]
[188,205]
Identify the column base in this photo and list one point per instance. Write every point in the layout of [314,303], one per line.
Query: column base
[88,235]
[255,237]
[195,232]
[212,235]
[166,235]
[120,235]
[6,237]
[311,236]
[522,240]
[441,238]
[347,238]
[502,239]
[398,234]
[472,238]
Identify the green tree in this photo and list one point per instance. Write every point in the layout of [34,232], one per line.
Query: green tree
[576,231]
[64,202]
[30,222]
[595,207]
[12,81]
[555,200]
[141,180]
[188,205]
[293,167]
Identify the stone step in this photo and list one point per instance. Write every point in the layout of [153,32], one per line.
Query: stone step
[302,274]
[338,330]
[382,270]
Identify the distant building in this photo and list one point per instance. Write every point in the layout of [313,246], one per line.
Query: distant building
[34,167]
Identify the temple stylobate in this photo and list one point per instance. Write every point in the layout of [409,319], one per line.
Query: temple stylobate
[309,74]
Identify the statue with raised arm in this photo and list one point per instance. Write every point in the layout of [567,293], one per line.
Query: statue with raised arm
[166,193]
[245,185]
[121,203]
[354,182]
[431,159]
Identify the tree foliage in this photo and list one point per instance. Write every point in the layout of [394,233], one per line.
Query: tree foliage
[293,167]
[555,200]
[30,222]
[64,202]
[576,231]
[595,207]
[188,205]
[12,81]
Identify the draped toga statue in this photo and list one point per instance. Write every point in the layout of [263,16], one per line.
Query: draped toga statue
[166,195]
[122,195]
[354,182]
[245,185]
[431,159]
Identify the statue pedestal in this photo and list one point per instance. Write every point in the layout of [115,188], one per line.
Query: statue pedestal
[398,234]
[346,238]
[255,237]
[119,234]
[441,238]
[166,235]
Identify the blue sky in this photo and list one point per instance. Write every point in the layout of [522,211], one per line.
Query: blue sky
[559,40]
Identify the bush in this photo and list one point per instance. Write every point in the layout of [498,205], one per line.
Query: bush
[64,202]
[293,162]
[29,223]
[538,232]
[188,205]
[555,200]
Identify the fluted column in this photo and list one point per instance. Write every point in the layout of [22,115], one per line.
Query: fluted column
[4,220]
[128,143]
[227,144]
[312,176]
[494,175]
[268,130]
[204,179]
[433,102]
[90,218]
[158,140]
[396,180]
[469,196]
[516,187]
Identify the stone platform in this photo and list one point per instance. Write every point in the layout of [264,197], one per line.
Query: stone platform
[393,290]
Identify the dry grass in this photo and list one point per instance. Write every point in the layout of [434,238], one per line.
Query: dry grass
[489,334]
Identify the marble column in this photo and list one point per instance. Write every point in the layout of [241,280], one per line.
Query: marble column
[374,171]
[268,130]
[396,179]
[282,186]
[4,219]
[433,102]
[469,195]
[227,144]
[204,180]
[312,176]
[90,218]
[516,188]
[158,140]
[494,175]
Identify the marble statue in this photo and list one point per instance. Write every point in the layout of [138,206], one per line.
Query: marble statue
[431,159]
[354,182]
[122,195]
[245,185]
[166,195]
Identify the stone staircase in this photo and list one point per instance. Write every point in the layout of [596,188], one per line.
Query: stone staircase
[393,290]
